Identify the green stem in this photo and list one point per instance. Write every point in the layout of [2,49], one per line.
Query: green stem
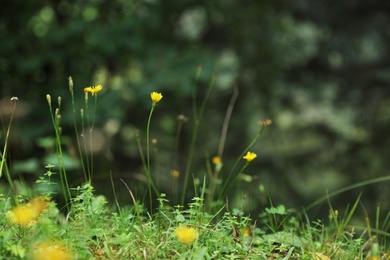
[3,155]
[61,166]
[239,158]
[90,135]
[76,130]
[88,171]
[347,188]
[85,143]
[237,176]
[114,193]
[141,152]
[150,181]
[197,119]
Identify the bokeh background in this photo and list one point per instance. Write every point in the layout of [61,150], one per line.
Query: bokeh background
[319,69]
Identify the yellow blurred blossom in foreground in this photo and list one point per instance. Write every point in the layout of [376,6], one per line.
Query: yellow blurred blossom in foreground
[50,251]
[246,232]
[216,160]
[93,89]
[156,97]
[321,256]
[249,156]
[25,214]
[186,235]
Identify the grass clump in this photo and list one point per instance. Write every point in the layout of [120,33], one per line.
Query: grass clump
[34,226]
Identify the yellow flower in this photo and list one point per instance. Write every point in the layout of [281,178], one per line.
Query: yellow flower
[246,232]
[21,215]
[266,122]
[216,160]
[93,89]
[25,214]
[50,251]
[249,156]
[321,256]
[175,173]
[39,203]
[156,97]
[186,235]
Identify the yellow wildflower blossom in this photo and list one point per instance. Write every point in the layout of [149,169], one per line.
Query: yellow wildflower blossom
[186,235]
[22,215]
[25,214]
[249,156]
[266,122]
[246,232]
[93,89]
[156,97]
[39,203]
[321,256]
[216,160]
[175,173]
[50,251]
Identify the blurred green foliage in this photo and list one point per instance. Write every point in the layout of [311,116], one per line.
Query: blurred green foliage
[318,69]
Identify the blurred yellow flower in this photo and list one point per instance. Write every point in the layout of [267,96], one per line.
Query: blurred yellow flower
[25,214]
[216,160]
[175,173]
[246,232]
[50,251]
[39,203]
[21,215]
[321,256]
[156,97]
[266,122]
[249,156]
[93,89]
[186,235]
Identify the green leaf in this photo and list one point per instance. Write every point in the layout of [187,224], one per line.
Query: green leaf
[180,218]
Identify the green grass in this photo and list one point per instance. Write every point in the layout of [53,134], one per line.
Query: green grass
[88,227]
[93,230]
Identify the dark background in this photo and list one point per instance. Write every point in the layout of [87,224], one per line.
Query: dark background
[319,69]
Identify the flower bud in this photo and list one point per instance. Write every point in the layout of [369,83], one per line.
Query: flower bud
[48,98]
[70,84]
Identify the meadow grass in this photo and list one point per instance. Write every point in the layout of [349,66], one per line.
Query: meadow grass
[88,227]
